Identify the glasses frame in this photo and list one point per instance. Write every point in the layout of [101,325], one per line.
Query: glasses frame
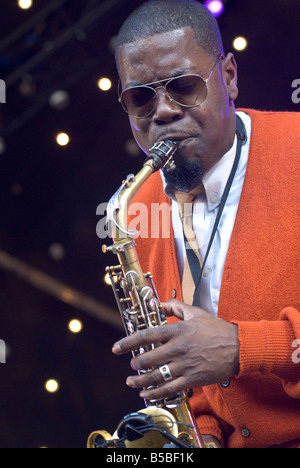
[164,86]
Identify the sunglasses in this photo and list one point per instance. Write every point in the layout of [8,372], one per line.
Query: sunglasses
[185,90]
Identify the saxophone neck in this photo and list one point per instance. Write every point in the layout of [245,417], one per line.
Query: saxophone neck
[118,205]
[160,156]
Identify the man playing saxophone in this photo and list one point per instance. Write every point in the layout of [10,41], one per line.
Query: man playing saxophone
[232,302]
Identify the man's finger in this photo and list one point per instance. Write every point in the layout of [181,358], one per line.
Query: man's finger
[143,338]
[166,390]
[180,310]
[173,308]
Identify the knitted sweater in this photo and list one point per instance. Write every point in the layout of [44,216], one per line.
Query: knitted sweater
[260,292]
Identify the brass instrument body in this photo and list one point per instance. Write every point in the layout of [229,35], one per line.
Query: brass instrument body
[139,307]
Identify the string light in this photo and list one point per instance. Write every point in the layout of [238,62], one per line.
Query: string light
[131,148]
[67,295]
[59,100]
[75,326]
[216,7]
[240,43]
[25,4]
[16,189]
[104,84]
[52,386]
[57,251]
[62,139]
[2,146]
[27,87]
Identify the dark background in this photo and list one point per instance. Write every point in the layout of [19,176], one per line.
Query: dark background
[49,195]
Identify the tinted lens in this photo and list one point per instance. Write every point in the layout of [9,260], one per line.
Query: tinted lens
[139,101]
[188,90]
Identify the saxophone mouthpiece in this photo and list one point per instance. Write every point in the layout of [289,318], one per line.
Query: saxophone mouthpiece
[161,155]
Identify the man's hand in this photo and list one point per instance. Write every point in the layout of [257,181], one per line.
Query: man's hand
[200,350]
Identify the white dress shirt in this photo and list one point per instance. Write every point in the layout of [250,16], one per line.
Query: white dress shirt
[205,211]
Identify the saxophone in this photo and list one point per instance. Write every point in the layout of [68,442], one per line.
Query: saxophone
[166,422]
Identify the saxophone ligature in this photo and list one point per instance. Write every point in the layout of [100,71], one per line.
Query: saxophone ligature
[166,422]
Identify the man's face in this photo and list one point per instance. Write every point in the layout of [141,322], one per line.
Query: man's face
[206,132]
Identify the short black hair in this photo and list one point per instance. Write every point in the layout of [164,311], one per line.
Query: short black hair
[159,16]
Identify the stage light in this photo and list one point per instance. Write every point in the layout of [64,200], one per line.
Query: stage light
[104,84]
[59,100]
[25,4]
[52,386]
[16,189]
[216,7]
[57,251]
[131,148]
[27,87]
[67,296]
[112,44]
[2,146]
[62,139]
[240,43]
[75,326]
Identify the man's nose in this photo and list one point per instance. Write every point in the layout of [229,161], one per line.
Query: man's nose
[166,109]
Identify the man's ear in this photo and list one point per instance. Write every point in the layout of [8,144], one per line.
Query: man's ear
[230,76]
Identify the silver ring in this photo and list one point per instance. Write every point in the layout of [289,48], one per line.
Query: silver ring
[165,372]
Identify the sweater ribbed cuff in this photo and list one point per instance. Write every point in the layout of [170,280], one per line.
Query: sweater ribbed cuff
[208,425]
[266,347]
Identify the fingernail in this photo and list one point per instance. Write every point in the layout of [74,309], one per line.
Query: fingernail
[116,348]
[132,365]
[129,382]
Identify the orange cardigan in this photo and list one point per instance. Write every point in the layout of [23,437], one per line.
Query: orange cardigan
[260,292]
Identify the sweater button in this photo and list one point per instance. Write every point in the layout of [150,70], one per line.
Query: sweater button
[174,294]
[245,432]
[225,384]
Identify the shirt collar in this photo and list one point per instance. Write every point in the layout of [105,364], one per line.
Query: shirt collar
[215,179]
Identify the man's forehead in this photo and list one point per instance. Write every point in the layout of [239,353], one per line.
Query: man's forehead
[158,54]
[162,39]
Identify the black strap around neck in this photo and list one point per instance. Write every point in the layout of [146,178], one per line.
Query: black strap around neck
[196,270]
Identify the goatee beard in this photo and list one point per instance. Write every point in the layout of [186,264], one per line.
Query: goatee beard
[187,175]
